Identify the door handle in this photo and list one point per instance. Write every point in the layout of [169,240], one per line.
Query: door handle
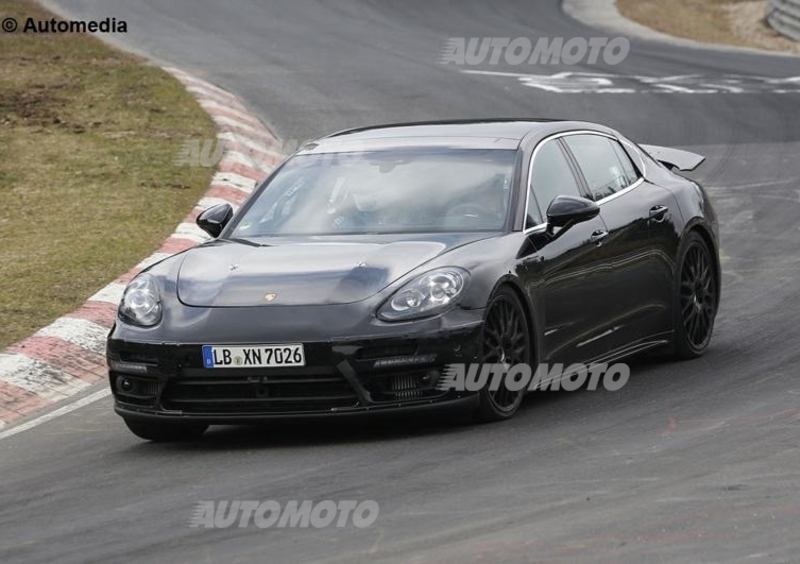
[658,213]
[597,237]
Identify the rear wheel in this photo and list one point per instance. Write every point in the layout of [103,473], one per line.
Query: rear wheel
[506,340]
[696,299]
[166,431]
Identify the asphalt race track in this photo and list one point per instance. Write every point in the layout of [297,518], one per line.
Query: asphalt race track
[690,462]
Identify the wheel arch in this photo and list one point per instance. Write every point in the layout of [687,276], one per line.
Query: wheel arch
[528,310]
[704,232]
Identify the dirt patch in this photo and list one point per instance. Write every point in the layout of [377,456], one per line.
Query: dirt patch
[733,22]
[34,107]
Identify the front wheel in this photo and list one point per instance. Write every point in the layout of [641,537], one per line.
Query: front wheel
[165,431]
[696,298]
[506,340]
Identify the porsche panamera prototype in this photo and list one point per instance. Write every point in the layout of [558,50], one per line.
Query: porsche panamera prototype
[373,258]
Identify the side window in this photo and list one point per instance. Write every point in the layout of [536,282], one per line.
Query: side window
[551,176]
[605,165]
[626,162]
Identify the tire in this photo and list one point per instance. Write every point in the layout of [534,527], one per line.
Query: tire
[696,298]
[506,339]
[166,431]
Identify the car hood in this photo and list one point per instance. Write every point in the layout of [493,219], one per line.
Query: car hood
[239,274]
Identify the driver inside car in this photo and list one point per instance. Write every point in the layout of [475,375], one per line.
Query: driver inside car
[357,207]
[485,209]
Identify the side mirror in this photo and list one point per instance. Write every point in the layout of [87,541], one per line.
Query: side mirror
[566,211]
[214,219]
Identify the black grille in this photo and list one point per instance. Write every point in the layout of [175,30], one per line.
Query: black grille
[208,391]
[405,386]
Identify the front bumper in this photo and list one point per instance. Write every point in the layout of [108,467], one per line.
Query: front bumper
[343,377]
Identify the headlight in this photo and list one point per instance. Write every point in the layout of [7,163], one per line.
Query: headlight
[428,294]
[141,302]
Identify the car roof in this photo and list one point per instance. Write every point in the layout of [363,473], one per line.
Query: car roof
[475,133]
[510,128]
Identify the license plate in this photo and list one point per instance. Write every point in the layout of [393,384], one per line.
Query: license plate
[254,356]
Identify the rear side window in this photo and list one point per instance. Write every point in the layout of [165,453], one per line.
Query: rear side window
[551,176]
[604,163]
[626,162]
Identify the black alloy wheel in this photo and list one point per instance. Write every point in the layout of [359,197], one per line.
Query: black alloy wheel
[506,340]
[697,299]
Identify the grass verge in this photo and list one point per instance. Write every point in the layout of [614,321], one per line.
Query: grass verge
[732,22]
[87,184]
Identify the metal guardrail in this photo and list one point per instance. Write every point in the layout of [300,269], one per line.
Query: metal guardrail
[784,17]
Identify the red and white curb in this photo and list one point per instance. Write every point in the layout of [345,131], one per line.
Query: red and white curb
[67,356]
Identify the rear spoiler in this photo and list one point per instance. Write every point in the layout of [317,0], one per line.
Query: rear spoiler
[674,158]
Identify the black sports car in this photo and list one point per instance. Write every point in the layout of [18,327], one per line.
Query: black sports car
[374,257]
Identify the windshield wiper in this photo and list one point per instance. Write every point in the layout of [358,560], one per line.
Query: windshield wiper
[243,241]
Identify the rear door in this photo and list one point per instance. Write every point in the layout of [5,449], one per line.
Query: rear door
[639,218]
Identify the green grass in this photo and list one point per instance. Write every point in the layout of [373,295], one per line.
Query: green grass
[88,136]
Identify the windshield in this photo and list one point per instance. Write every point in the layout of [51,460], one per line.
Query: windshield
[397,191]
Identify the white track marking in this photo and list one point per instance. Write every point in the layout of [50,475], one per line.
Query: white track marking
[224,120]
[240,117]
[111,294]
[81,332]
[190,231]
[199,91]
[69,408]
[241,158]
[237,181]
[209,202]
[604,83]
[152,259]
[38,377]
[562,82]
[253,144]
[248,161]
[206,86]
